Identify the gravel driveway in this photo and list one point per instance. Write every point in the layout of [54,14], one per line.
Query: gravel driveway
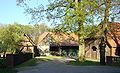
[59,66]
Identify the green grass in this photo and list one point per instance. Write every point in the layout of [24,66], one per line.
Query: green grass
[117,64]
[86,63]
[44,58]
[91,63]
[31,62]
[35,61]
[7,70]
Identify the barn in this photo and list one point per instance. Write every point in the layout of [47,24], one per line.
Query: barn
[112,42]
[58,43]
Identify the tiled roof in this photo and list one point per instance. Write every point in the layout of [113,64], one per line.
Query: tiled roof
[115,28]
[42,36]
[114,31]
[26,41]
[111,26]
[61,38]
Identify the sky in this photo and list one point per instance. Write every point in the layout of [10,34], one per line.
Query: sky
[10,12]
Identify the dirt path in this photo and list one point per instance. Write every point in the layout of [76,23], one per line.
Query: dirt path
[59,66]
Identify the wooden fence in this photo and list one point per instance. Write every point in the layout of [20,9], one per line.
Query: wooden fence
[16,59]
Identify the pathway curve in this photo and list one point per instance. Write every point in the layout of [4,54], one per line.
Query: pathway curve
[59,66]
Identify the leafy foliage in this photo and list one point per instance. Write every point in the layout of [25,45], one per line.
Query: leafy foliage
[2,63]
[11,35]
[64,12]
[72,15]
[10,38]
[40,28]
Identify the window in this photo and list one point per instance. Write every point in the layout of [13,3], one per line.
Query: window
[94,48]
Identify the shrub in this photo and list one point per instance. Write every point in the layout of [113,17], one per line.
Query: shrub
[2,63]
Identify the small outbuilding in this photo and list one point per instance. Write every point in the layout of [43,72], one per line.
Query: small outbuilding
[112,36]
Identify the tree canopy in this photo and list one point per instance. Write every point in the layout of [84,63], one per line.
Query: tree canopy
[10,38]
[72,15]
[11,35]
[65,15]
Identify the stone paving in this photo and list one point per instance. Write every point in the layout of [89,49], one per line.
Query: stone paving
[59,66]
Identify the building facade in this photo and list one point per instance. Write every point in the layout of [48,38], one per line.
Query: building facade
[112,41]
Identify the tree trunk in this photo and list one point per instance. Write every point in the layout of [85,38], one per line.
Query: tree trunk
[102,45]
[80,32]
[107,9]
[81,43]
[4,54]
[81,53]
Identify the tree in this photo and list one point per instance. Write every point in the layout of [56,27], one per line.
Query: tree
[106,12]
[10,38]
[38,30]
[72,13]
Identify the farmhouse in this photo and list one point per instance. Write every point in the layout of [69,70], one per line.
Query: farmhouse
[28,45]
[58,43]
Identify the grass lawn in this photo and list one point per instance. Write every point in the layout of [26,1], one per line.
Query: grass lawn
[86,63]
[35,61]
[91,63]
[48,58]
[31,62]
[117,64]
[7,70]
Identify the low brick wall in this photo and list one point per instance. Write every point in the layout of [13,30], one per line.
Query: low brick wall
[16,59]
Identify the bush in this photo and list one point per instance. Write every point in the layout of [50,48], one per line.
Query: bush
[2,63]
